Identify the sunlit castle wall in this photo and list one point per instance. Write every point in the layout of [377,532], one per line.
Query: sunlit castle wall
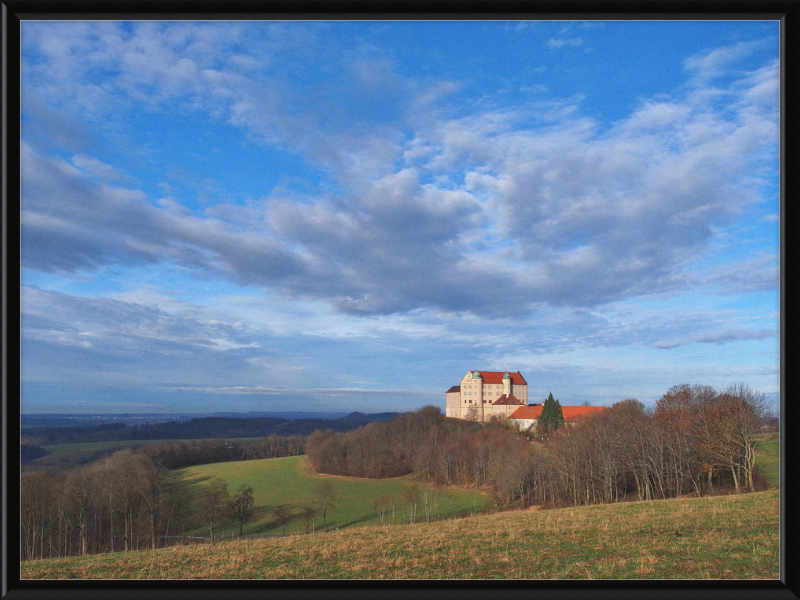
[481,389]
[453,402]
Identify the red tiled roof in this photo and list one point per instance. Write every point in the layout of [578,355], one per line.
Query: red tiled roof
[455,388]
[573,413]
[527,412]
[570,413]
[497,377]
[506,400]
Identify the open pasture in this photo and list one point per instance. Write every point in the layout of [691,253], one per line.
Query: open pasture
[723,537]
[290,482]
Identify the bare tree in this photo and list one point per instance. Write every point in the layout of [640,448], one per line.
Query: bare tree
[411,499]
[212,502]
[750,414]
[327,500]
[282,517]
[382,505]
[309,517]
[79,488]
[241,506]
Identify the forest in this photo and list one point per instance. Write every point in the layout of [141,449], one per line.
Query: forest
[127,500]
[697,440]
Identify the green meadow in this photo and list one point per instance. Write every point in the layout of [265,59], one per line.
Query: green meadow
[290,482]
[767,459]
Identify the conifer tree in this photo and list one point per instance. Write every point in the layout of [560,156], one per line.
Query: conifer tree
[551,417]
[546,415]
[557,419]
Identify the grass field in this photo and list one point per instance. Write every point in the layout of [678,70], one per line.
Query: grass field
[767,459]
[290,482]
[723,537]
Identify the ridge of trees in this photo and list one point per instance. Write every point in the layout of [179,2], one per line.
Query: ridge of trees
[198,428]
[697,440]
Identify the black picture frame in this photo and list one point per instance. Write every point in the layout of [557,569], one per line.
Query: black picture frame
[15,11]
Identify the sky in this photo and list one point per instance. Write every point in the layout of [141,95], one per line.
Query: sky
[337,216]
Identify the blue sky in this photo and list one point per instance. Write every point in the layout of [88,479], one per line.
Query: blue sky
[257,216]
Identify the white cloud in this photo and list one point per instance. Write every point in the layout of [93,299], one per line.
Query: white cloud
[554,43]
[533,203]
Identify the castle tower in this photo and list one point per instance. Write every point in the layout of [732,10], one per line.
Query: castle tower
[478,381]
[507,384]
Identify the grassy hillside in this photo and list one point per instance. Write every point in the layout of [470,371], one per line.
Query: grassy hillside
[724,537]
[290,482]
[767,459]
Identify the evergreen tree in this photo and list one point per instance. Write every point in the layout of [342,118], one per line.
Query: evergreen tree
[557,420]
[551,417]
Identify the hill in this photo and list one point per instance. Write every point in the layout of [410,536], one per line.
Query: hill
[198,429]
[289,483]
[723,537]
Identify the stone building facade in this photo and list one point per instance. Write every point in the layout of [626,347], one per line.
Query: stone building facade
[482,395]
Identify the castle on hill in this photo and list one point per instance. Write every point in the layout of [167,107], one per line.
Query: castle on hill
[484,395]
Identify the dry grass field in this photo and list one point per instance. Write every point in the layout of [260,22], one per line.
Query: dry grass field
[724,537]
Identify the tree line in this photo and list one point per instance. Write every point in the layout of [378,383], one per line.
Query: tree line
[697,440]
[127,501]
[177,455]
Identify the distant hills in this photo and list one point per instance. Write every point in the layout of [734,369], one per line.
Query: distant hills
[85,420]
[206,427]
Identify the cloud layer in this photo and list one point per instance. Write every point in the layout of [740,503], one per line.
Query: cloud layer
[495,213]
[206,205]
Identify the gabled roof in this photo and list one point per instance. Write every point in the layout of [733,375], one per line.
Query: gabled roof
[573,413]
[506,400]
[455,388]
[497,377]
[527,412]
[570,413]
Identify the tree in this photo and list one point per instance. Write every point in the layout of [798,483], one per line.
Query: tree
[327,499]
[282,517]
[411,498]
[241,506]
[551,417]
[309,517]
[151,476]
[382,504]
[472,413]
[79,489]
[212,502]
[751,412]
[558,416]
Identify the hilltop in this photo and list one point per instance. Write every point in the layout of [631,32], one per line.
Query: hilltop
[724,537]
[198,428]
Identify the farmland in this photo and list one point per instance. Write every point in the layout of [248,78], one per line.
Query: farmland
[723,537]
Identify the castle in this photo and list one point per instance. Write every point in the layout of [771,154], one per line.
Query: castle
[483,395]
[486,394]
